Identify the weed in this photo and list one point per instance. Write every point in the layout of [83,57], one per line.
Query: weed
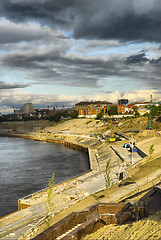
[107,174]
[151,151]
[150,156]
[51,183]
[89,121]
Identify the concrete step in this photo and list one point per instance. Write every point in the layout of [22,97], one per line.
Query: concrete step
[69,231]
[85,225]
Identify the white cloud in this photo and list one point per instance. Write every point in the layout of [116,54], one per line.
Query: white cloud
[5,109]
[28,35]
[142,95]
[16,98]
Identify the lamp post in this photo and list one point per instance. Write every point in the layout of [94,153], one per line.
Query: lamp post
[132,160]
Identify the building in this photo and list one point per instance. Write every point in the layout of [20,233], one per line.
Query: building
[91,103]
[129,108]
[143,111]
[142,105]
[89,112]
[42,112]
[91,109]
[152,200]
[121,109]
[123,101]
[27,108]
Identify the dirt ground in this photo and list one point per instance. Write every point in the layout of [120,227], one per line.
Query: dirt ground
[149,228]
[28,125]
[145,229]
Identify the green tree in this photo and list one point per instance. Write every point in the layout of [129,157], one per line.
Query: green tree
[156,110]
[74,114]
[28,118]
[65,114]
[113,110]
[56,117]
[135,108]
[99,115]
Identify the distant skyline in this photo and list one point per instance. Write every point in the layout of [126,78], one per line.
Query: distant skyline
[61,52]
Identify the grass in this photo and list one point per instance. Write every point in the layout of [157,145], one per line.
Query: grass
[144,168]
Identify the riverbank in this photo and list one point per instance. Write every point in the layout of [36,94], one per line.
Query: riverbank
[82,191]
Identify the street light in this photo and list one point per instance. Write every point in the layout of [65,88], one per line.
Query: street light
[132,142]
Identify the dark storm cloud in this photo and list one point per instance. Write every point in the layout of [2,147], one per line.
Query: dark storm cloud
[117,19]
[55,66]
[12,33]
[155,61]
[52,67]
[137,59]
[48,12]
[11,86]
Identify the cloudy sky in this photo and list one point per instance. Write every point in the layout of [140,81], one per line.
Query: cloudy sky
[60,52]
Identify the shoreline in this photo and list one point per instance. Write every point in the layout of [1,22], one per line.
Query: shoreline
[94,168]
[21,204]
[95,161]
[57,141]
[73,192]
[60,141]
[80,192]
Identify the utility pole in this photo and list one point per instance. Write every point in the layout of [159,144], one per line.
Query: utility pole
[132,142]
[149,118]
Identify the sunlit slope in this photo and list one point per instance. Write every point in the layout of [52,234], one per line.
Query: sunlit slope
[145,229]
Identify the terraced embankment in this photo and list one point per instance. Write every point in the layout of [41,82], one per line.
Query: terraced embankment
[82,191]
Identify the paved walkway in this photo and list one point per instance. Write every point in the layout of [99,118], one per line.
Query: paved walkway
[125,154]
[126,190]
[19,223]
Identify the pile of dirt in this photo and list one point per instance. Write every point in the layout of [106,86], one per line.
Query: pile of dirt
[147,229]
[89,126]
[146,143]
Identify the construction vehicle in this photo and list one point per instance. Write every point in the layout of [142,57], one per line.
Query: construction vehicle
[112,139]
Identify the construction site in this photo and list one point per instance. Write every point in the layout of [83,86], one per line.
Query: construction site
[118,198]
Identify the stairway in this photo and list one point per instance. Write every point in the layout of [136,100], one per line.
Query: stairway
[68,232]
[79,224]
[87,227]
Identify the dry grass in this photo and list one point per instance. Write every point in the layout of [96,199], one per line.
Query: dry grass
[145,229]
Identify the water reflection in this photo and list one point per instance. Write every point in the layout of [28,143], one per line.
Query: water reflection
[26,166]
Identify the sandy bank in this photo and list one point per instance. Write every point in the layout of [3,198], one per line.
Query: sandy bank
[68,195]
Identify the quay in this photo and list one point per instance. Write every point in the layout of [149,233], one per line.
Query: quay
[33,215]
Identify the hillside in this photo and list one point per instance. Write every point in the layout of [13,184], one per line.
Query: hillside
[88,126]
[27,125]
[86,132]
[145,229]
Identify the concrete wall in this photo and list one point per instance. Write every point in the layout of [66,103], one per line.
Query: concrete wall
[91,219]
[140,152]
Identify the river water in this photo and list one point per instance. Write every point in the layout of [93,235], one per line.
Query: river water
[26,166]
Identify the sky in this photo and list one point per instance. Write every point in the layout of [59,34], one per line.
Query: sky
[61,52]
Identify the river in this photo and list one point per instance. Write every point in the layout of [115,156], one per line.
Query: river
[26,166]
